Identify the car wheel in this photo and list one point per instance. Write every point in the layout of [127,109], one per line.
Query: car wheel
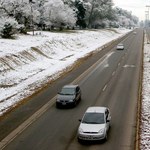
[105,139]
[75,103]
[57,105]
[80,141]
[80,98]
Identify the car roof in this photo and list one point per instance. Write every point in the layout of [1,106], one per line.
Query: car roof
[70,86]
[97,109]
[120,44]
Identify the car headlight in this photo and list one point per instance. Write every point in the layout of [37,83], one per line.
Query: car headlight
[71,100]
[58,100]
[80,130]
[101,131]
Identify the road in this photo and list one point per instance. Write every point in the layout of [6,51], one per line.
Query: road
[113,81]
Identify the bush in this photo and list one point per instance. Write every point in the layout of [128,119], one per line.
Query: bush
[8,27]
[22,29]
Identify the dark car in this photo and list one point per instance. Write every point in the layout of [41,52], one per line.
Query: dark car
[69,95]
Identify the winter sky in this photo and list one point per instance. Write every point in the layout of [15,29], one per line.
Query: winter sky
[137,7]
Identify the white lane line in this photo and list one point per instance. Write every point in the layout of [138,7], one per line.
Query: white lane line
[113,73]
[96,65]
[104,87]
[25,124]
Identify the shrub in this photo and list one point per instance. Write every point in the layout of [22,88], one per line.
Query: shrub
[8,27]
[22,29]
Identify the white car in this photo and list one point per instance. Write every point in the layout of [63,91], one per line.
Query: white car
[120,46]
[94,125]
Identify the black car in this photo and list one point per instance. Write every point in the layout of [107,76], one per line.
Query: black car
[69,95]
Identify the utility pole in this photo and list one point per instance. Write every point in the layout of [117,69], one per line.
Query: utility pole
[148,6]
[32,24]
[146,18]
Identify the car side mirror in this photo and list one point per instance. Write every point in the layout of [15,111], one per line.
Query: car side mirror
[79,120]
[108,119]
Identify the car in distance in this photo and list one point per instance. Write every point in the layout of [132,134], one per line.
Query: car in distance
[94,125]
[69,95]
[134,33]
[120,46]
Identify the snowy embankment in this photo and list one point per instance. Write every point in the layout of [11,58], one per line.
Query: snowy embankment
[28,62]
[145,112]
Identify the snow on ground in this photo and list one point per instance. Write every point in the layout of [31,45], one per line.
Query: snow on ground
[28,62]
[145,112]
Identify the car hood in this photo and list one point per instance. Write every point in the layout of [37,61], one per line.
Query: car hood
[65,97]
[91,127]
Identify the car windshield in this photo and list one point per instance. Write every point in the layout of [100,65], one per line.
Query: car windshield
[120,44]
[67,91]
[93,118]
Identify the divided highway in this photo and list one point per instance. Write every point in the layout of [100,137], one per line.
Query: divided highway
[113,81]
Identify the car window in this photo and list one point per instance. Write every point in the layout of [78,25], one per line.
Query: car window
[93,118]
[67,91]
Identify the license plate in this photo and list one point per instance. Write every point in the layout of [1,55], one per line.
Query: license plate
[63,103]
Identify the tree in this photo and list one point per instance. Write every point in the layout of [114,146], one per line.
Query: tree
[66,13]
[80,14]
[8,27]
[59,14]
[97,10]
[125,18]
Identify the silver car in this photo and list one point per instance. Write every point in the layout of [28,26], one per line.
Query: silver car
[120,46]
[94,125]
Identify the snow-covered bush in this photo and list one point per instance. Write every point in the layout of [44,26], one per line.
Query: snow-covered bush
[59,14]
[21,28]
[8,27]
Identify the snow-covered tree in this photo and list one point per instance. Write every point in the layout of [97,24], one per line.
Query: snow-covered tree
[8,27]
[125,18]
[97,10]
[80,11]
[59,14]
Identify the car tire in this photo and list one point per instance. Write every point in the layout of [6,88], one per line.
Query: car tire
[80,98]
[105,139]
[80,141]
[57,105]
[75,103]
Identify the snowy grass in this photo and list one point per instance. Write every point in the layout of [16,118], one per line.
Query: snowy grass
[145,115]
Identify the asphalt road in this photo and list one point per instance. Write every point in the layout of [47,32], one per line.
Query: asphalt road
[113,82]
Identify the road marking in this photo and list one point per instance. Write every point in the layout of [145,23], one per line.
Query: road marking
[129,66]
[118,64]
[90,70]
[104,87]
[25,124]
[113,73]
